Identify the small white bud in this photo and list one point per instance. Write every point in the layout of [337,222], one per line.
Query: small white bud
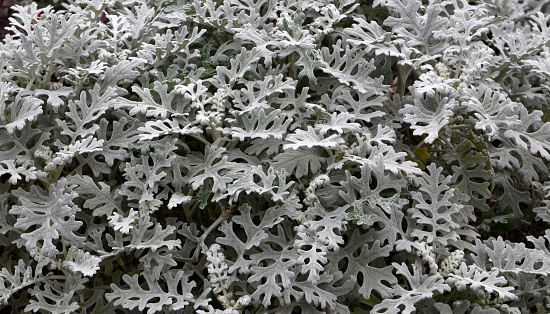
[243,302]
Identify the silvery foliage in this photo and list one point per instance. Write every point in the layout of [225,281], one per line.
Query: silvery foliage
[266,156]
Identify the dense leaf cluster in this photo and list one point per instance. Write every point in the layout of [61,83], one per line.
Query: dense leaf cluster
[273,156]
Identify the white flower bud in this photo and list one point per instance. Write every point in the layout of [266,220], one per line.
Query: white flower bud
[243,302]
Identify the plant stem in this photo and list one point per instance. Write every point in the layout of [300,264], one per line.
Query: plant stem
[459,65]
[200,139]
[292,71]
[58,172]
[460,126]
[404,72]
[225,214]
[48,76]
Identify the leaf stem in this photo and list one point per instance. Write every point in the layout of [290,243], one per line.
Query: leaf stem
[404,72]
[58,172]
[225,214]
[419,144]
[460,126]
[48,76]
[200,139]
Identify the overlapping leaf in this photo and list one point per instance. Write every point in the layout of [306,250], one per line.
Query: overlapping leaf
[49,214]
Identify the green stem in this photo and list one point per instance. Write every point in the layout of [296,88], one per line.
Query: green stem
[460,126]
[419,144]
[55,277]
[45,182]
[448,299]
[232,144]
[185,208]
[57,174]
[292,70]
[500,75]
[189,213]
[225,214]
[507,91]
[404,72]
[200,139]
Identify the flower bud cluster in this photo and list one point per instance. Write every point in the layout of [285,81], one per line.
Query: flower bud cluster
[40,258]
[56,85]
[113,57]
[300,217]
[217,269]
[476,64]
[428,256]
[540,307]
[443,70]
[106,56]
[53,164]
[45,153]
[318,182]
[221,282]
[484,297]
[450,264]
[506,308]
[52,161]
[216,113]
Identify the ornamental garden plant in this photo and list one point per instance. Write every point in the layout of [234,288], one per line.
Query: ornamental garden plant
[275,156]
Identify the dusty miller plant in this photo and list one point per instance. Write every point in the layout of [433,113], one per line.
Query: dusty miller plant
[268,156]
